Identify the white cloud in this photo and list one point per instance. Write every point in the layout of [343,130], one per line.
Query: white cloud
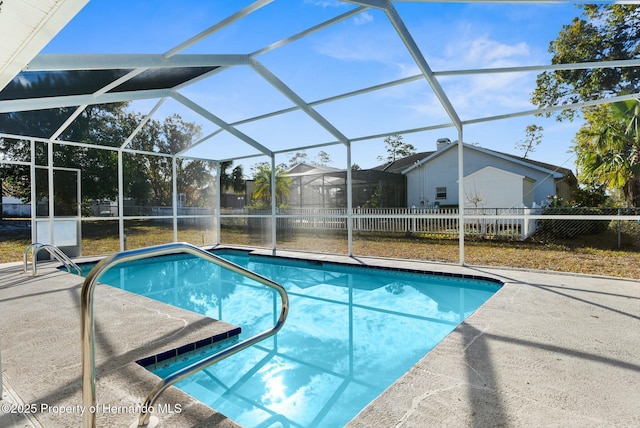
[368,46]
[408,69]
[484,95]
[325,3]
[486,51]
[363,18]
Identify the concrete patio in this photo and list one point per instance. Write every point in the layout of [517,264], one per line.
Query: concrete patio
[547,350]
[41,358]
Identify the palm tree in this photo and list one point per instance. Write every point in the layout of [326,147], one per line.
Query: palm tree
[262,186]
[234,180]
[608,148]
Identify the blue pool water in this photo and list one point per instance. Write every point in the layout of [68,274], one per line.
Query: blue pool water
[351,331]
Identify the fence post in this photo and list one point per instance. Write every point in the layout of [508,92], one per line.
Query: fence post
[413,220]
[619,234]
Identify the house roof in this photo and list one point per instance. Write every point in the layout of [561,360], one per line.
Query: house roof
[401,164]
[26,26]
[566,172]
[421,158]
[303,169]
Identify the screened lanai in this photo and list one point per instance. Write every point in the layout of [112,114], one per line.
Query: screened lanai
[134,121]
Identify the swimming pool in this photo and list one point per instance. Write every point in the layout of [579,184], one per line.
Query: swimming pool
[351,332]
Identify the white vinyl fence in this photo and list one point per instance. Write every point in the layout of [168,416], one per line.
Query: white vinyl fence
[484,222]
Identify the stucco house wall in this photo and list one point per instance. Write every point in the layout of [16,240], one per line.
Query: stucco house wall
[495,188]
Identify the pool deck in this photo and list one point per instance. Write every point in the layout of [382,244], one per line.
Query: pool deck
[41,352]
[548,349]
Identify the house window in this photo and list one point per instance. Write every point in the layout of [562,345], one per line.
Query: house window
[441,193]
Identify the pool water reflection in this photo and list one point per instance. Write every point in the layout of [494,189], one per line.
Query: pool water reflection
[351,331]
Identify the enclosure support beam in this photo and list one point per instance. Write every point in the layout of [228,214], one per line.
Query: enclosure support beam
[121,231]
[44,103]
[461,197]
[66,62]
[224,23]
[142,123]
[349,204]
[274,243]
[421,62]
[221,123]
[174,201]
[218,226]
[34,195]
[51,190]
[68,122]
[297,100]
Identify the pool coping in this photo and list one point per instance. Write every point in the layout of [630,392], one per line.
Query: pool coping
[548,349]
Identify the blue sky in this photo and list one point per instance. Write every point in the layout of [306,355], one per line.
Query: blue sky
[362,51]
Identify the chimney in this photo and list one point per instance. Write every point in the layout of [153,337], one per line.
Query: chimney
[442,143]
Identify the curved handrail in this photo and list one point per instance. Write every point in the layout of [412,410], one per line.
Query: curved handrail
[87,329]
[51,249]
[25,256]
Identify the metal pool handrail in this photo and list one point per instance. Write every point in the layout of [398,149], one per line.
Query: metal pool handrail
[51,249]
[87,328]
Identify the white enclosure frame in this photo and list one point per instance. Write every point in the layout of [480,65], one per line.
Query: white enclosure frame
[174,58]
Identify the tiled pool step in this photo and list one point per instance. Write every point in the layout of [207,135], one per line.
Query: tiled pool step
[151,361]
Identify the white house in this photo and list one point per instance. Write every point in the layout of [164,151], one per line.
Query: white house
[491,179]
[491,187]
[14,207]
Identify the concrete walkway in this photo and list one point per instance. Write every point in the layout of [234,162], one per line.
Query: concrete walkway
[41,353]
[546,350]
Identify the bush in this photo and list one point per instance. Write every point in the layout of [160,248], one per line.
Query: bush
[571,228]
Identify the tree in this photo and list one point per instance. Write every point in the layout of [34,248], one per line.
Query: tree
[262,188]
[608,148]
[235,180]
[532,139]
[96,123]
[147,178]
[603,33]
[396,149]
[172,136]
[590,195]
[323,158]
[15,179]
[298,157]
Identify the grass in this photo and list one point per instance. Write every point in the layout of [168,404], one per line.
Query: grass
[593,255]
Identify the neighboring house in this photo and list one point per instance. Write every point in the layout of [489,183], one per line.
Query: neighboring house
[14,207]
[491,179]
[311,186]
[314,186]
[229,198]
